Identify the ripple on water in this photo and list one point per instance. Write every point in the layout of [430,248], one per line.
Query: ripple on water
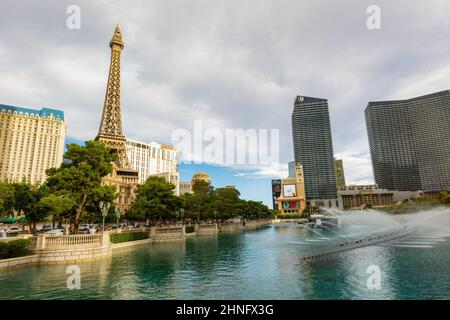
[262,264]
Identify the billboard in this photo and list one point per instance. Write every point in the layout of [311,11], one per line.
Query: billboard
[291,204]
[276,192]
[289,190]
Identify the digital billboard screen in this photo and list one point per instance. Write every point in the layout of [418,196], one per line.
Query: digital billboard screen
[289,190]
[276,192]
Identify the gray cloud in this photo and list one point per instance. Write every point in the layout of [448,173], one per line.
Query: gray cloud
[233,64]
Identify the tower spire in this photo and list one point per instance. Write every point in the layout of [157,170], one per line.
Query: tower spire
[117,38]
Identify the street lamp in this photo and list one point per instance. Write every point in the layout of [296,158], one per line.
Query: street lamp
[104,208]
[117,212]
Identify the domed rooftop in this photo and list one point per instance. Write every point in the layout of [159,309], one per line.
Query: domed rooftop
[201,176]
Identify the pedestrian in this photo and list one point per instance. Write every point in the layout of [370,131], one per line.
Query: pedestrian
[2,234]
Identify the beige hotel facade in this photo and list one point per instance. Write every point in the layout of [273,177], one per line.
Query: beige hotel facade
[31,141]
[154,159]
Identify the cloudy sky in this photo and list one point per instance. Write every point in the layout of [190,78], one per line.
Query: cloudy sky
[231,64]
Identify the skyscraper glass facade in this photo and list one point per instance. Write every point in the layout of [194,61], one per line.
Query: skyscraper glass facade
[409,142]
[313,147]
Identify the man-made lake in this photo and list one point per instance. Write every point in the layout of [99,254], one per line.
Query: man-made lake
[258,264]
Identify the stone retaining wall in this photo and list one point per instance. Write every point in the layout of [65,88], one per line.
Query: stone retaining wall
[27,260]
[167,234]
[64,249]
[190,234]
[73,255]
[227,227]
[72,249]
[234,226]
[202,229]
[131,243]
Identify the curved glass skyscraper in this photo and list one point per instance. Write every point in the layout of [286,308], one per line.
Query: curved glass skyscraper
[313,148]
[410,142]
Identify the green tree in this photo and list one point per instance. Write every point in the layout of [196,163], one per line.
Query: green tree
[81,174]
[444,197]
[201,206]
[368,206]
[255,210]
[187,204]
[195,206]
[201,187]
[92,211]
[226,203]
[7,199]
[57,207]
[26,198]
[222,203]
[155,200]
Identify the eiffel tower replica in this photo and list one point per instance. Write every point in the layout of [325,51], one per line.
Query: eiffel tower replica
[111,134]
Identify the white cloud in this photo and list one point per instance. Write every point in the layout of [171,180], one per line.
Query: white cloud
[233,64]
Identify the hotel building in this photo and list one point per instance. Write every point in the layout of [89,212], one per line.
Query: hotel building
[409,142]
[151,158]
[31,141]
[359,196]
[313,149]
[185,187]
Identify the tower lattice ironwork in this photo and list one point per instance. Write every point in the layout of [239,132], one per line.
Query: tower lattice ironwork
[110,131]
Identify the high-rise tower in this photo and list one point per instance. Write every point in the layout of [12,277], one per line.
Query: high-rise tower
[110,131]
[409,142]
[313,149]
[31,141]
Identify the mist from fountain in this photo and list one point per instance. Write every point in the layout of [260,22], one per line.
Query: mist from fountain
[320,234]
[373,227]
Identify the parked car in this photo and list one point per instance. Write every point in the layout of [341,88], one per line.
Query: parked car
[55,232]
[45,228]
[13,230]
[84,228]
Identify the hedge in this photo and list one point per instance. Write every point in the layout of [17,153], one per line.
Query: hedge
[128,236]
[189,229]
[15,248]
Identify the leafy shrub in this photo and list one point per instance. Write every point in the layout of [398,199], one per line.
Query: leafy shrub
[189,229]
[128,236]
[13,249]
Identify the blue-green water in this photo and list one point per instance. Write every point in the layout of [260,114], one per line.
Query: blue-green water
[258,264]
